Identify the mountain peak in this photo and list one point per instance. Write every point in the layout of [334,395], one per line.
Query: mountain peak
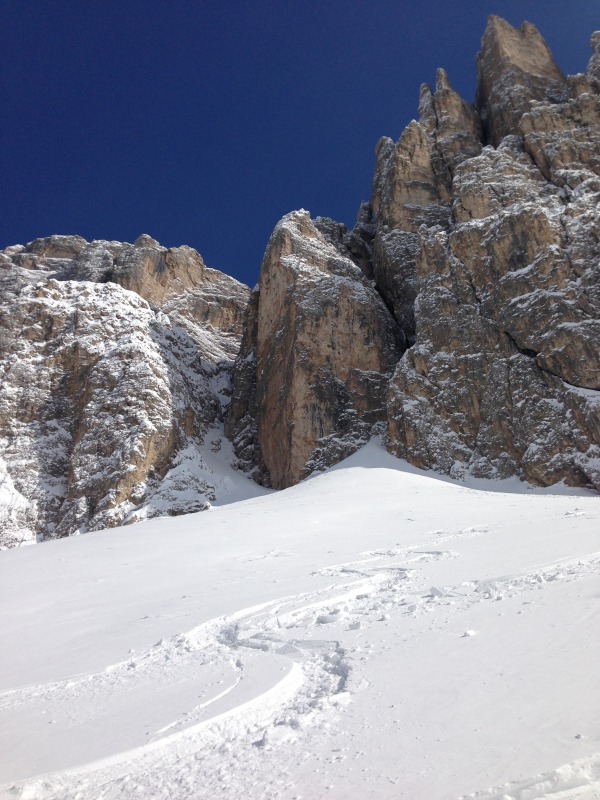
[515,67]
[460,317]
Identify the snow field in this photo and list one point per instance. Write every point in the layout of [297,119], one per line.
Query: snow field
[375,632]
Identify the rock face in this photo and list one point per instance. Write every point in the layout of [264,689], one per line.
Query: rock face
[460,316]
[319,345]
[482,240]
[504,268]
[515,68]
[115,362]
[412,188]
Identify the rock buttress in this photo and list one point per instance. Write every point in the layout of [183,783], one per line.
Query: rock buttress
[319,347]
[498,263]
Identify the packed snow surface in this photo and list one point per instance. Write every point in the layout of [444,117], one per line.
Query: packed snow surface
[375,632]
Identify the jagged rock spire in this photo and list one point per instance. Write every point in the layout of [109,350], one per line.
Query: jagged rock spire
[445,113]
[593,69]
[515,67]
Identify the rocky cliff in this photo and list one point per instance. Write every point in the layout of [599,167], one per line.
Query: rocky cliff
[115,365]
[459,318]
[318,350]
[482,241]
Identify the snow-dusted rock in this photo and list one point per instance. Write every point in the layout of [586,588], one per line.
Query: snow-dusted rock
[319,344]
[463,311]
[515,68]
[495,274]
[488,259]
[115,361]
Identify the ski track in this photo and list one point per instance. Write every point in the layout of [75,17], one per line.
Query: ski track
[579,780]
[298,630]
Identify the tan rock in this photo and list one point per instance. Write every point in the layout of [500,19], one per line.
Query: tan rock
[564,139]
[413,187]
[515,67]
[406,195]
[107,397]
[504,374]
[453,126]
[405,188]
[324,343]
[498,286]
[593,69]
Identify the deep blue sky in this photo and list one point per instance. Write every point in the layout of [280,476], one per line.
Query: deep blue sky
[203,122]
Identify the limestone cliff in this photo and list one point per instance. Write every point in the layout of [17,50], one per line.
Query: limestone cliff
[515,68]
[504,374]
[319,346]
[460,317]
[481,239]
[115,363]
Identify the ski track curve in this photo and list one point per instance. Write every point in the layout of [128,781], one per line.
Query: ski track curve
[298,631]
[579,780]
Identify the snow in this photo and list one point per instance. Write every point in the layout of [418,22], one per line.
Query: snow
[11,503]
[201,476]
[375,632]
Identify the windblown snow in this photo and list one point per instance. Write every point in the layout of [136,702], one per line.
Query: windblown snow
[375,632]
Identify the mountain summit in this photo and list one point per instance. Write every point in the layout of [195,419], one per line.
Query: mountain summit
[459,318]
[481,239]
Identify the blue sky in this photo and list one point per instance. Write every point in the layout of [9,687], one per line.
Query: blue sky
[203,122]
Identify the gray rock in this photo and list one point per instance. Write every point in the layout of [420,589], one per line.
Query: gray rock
[115,362]
[504,374]
[318,348]
[515,68]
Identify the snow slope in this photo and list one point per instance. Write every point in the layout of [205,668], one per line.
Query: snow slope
[375,632]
